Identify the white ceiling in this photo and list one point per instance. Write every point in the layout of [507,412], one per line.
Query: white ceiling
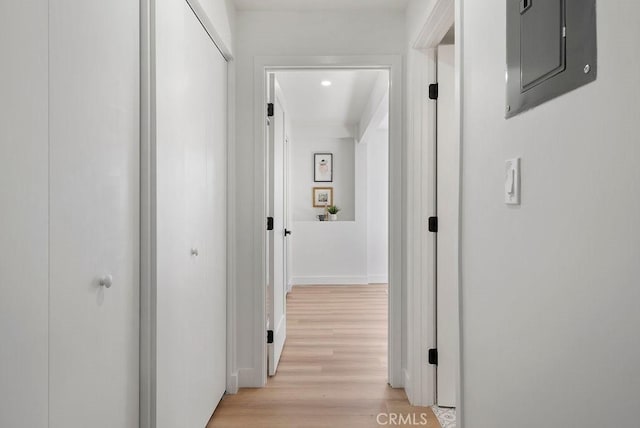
[342,103]
[320,4]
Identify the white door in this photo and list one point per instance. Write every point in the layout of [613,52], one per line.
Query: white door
[191,102]
[94,146]
[287,209]
[447,237]
[276,285]
[24,214]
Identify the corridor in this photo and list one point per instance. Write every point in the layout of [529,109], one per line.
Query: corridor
[333,369]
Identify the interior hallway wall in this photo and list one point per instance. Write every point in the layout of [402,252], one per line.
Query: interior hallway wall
[302,169]
[334,252]
[350,251]
[287,33]
[551,287]
[377,206]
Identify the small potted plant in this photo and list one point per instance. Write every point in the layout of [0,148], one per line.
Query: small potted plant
[333,212]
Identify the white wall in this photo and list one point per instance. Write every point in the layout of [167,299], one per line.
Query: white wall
[302,184]
[286,33]
[356,250]
[329,253]
[334,252]
[374,107]
[550,289]
[24,245]
[377,206]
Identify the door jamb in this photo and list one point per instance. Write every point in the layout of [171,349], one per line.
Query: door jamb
[393,63]
[421,289]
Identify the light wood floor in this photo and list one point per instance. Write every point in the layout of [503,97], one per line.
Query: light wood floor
[333,370]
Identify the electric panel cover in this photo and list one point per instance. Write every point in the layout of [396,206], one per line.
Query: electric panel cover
[551,50]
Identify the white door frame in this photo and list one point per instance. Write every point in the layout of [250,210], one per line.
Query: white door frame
[422,155]
[393,63]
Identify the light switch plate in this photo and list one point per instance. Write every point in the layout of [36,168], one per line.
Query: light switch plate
[512,181]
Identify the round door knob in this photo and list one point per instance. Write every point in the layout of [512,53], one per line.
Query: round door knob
[194,252]
[106,281]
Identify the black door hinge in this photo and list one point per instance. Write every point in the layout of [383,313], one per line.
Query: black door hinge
[270,110]
[269,336]
[433,356]
[433,224]
[269,223]
[433,91]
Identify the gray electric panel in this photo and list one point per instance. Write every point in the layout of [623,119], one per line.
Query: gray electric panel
[551,50]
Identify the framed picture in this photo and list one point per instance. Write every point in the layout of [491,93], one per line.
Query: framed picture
[322,196]
[323,167]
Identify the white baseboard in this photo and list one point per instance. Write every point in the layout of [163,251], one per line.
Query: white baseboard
[289,286]
[378,279]
[329,280]
[408,387]
[232,383]
[247,378]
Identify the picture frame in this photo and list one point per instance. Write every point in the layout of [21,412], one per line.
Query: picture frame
[323,167]
[322,196]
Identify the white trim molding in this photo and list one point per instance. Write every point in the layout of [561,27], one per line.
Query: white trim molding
[247,376]
[208,26]
[459,107]
[330,280]
[393,63]
[147,391]
[378,279]
[438,23]
[232,371]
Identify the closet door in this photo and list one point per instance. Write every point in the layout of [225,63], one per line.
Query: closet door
[191,199]
[24,234]
[94,213]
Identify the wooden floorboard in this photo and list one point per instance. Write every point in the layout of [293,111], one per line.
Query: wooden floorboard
[333,370]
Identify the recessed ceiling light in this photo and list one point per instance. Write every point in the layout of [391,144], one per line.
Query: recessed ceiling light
[325,83]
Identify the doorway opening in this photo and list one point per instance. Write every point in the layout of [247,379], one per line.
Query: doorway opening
[328,210]
[263,67]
